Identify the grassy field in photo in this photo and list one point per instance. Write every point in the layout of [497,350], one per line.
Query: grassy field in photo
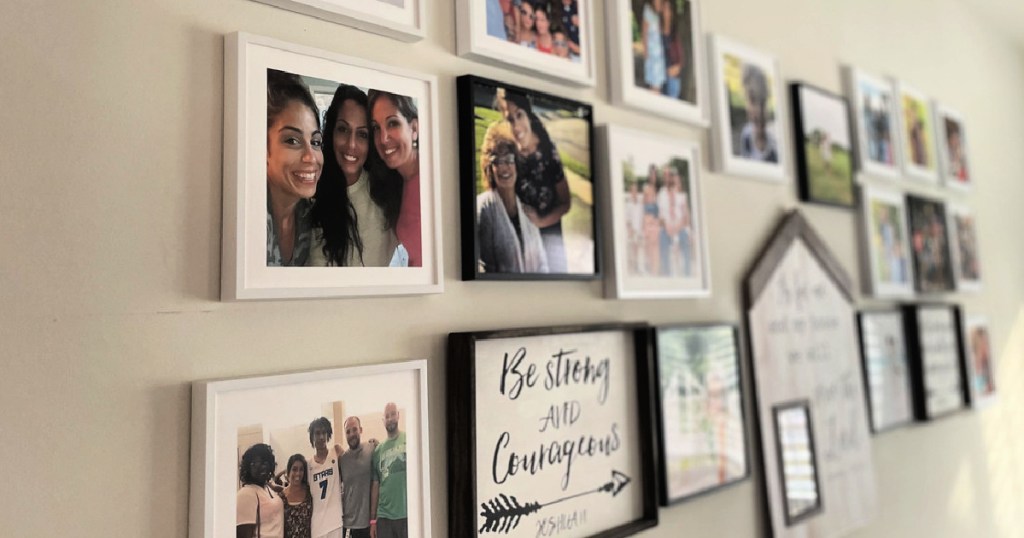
[832,183]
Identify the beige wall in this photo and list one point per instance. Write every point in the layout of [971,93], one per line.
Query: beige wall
[110,166]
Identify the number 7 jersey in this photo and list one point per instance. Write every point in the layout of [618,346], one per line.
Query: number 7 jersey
[325,488]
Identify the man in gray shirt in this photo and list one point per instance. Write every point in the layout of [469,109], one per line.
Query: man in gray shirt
[355,466]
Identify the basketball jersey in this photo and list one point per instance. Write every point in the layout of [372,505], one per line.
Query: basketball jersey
[325,487]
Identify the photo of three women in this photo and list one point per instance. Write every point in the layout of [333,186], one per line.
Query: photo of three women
[534,207]
[343,184]
[547,26]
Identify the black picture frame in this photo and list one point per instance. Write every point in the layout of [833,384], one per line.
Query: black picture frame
[916,354]
[866,361]
[817,507]
[465,509]
[836,162]
[665,493]
[576,166]
[929,229]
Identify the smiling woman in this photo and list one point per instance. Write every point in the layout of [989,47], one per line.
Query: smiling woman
[260,511]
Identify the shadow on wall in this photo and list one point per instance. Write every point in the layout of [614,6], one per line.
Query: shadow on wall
[1000,426]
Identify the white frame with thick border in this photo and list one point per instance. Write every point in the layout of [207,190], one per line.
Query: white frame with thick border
[403,23]
[853,78]
[624,90]
[214,465]
[952,211]
[244,272]
[473,41]
[923,174]
[724,160]
[877,287]
[941,113]
[617,143]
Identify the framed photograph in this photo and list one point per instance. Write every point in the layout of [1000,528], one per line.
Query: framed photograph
[262,444]
[657,216]
[824,153]
[956,173]
[748,135]
[929,237]
[938,372]
[874,104]
[400,19]
[917,129]
[551,430]
[552,38]
[964,246]
[886,241]
[886,370]
[298,224]
[794,433]
[803,342]
[981,358]
[527,184]
[702,439]
[657,53]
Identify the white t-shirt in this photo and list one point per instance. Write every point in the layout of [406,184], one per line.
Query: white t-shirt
[325,487]
[271,510]
[672,210]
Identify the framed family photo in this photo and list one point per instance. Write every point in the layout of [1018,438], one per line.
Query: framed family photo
[400,19]
[956,173]
[702,426]
[964,247]
[874,105]
[917,132]
[929,237]
[886,242]
[981,361]
[551,431]
[658,60]
[749,134]
[824,152]
[886,368]
[552,38]
[335,442]
[526,161]
[314,204]
[659,236]
[936,351]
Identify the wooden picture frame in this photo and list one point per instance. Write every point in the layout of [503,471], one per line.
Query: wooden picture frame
[651,83]
[512,393]
[647,260]
[823,146]
[887,382]
[252,264]
[232,416]
[399,19]
[552,189]
[702,441]
[874,104]
[938,370]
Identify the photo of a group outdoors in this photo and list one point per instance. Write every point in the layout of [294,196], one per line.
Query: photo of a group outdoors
[663,48]
[532,181]
[547,26]
[338,469]
[343,175]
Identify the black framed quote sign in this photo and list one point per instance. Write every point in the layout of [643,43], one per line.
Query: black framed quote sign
[938,370]
[551,432]
[803,343]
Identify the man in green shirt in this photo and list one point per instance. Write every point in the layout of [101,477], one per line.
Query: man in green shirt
[388,508]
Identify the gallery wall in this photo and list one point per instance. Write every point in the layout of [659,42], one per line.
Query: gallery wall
[111,217]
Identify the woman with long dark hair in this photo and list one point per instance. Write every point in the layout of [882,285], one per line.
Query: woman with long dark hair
[395,121]
[298,503]
[259,511]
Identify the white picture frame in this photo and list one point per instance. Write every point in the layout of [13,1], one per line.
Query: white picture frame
[981,357]
[398,19]
[276,410]
[676,272]
[627,90]
[474,40]
[953,149]
[963,247]
[873,106]
[246,273]
[728,59]
[884,227]
[920,156]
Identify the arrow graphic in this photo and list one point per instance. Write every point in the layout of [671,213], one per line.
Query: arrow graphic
[503,513]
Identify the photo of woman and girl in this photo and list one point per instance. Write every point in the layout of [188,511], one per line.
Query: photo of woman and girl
[343,185]
[661,235]
[663,59]
[748,92]
[547,26]
[533,185]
